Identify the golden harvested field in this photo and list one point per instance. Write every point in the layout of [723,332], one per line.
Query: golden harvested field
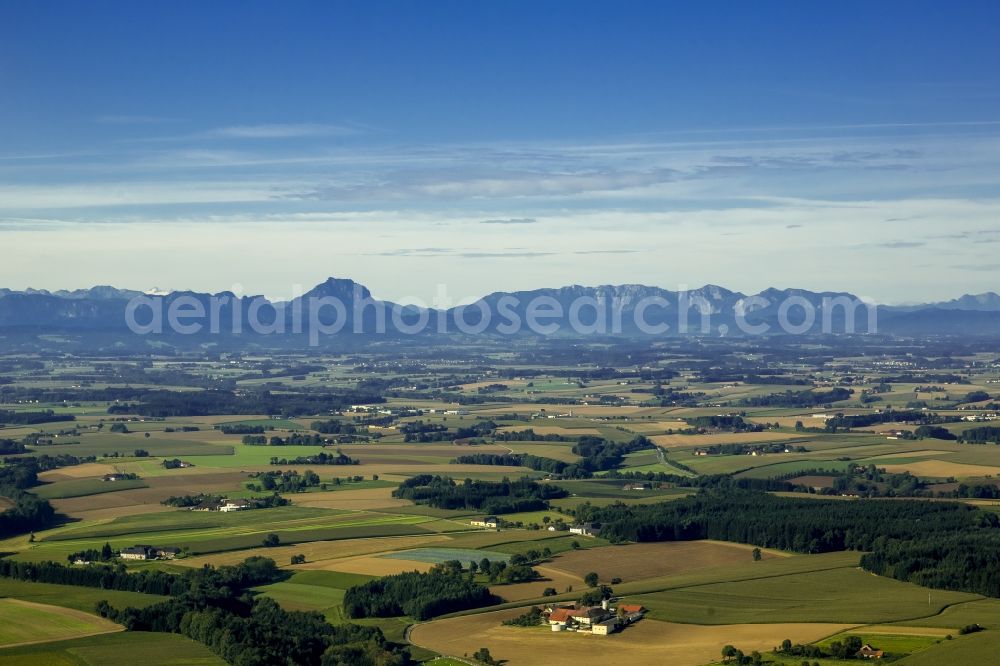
[882,427]
[555,578]
[197,481]
[352,500]
[371,565]
[319,554]
[596,411]
[563,452]
[416,450]
[647,560]
[645,427]
[76,472]
[511,383]
[161,487]
[943,468]
[127,500]
[647,642]
[789,421]
[610,410]
[915,454]
[17,433]
[679,441]
[405,468]
[70,508]
[553,430]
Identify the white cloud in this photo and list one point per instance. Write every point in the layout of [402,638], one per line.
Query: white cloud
[282,131]
[823,212]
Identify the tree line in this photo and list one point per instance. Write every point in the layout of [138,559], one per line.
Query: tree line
[419,595]
[806,398]
[10,417]
[982,435]
[597,455]
[505,496]
[213,402]
[213,606]
[938,544]
[321,458]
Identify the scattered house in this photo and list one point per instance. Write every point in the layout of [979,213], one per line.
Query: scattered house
[700,452]
[138,553]
[636,486]
[456,412]
[234,505]
[489,522]
[141,552]
[868,652]
[207,505]
[586,529]
[111,477]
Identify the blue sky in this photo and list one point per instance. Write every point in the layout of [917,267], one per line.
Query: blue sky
[491,146]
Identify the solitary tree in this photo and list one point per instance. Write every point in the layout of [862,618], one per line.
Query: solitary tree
[591,579]
[756,555]
[271,540]
[483,655]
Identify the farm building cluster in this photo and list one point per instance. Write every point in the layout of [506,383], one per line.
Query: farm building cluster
[598,620]
[141,552]
[583,529]
[224,505]
[489,522]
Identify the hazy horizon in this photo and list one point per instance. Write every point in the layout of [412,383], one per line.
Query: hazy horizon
[494,148]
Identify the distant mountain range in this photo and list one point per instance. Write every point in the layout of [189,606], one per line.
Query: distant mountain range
[629,310]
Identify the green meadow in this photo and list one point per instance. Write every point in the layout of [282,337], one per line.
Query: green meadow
[149,649]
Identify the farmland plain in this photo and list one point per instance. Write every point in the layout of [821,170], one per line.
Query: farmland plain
[353,527]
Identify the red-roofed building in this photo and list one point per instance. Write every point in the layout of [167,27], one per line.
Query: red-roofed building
[632,608]
[631,612]
[569,616]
